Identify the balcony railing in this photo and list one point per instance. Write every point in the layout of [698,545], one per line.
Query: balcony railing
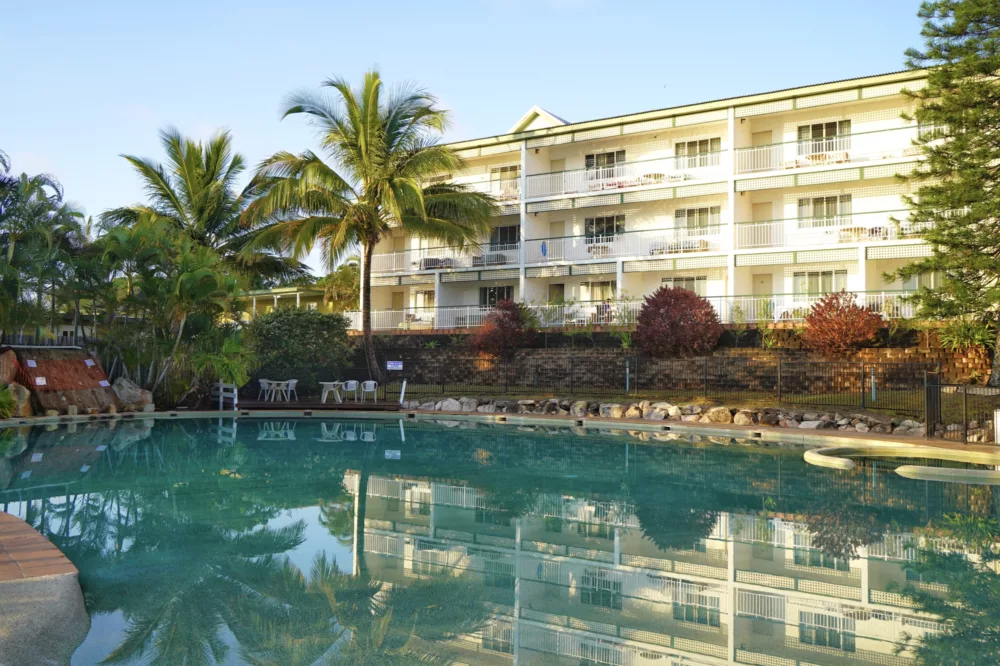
[507,190]
[865,227]
[627,175]
[644,243]
[846,148]
[731,309]
[436,258]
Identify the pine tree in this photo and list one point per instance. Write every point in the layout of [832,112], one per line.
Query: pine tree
[957,200]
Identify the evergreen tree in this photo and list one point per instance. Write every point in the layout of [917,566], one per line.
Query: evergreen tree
[957,203]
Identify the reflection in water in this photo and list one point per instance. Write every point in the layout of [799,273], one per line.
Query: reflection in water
[296,542]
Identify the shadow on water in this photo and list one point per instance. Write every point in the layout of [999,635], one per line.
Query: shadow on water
[295,542]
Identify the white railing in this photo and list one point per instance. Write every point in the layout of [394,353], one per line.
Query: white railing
[866,227]
[432,258]
[507,190]
[859,147]
[643,243]
[642,173]
[730,309]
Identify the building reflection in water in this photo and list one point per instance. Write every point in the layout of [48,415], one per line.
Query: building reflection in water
[575,581]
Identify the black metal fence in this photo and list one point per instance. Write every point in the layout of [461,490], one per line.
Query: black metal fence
[895,387]
[960,412]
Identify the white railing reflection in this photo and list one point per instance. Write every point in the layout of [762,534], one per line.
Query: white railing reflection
[644,243]
[627,175]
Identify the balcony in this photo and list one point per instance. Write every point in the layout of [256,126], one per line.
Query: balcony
[848,148]
[505,190]
[643,243]
[869,227]
[628,175]
[730,309]
[443,258]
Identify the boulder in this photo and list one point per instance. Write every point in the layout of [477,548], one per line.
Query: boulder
[617,411]
[861,426]
[22,401]
[692,409]
[633,412]
[674,411]
[611,410]
[8,367]
[128,392]
[488,408]
[813,425]
[448,405]
[468,404]
[744,417]
[578,408]
[52,412]
[789,423]
[657,415]
[768,418]
[691,417]
[718,415]
[427,406]
[900,430]
[909,423]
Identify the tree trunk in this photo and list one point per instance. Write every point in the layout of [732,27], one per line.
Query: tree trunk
[360,508]
[995,369]
[366,314]
[173,353]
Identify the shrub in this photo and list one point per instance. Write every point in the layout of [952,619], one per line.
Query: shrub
[837,324]
[676,322]
[964,334]
[307,345]
[7,402]
[509,327]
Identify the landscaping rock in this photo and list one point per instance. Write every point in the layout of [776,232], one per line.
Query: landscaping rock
[633,412]
[674,410]
[718,415]
[578,408]
[22,401]
[111,410]
[72,410]
[8,365]
[52,412]
[488,408]
[744,417]
[657,415]
[691,417]
[909,423]
[131,393]
[427,406]
[789,423]
[813,425]
[448,405]
[861,426]
[692,409]
[901,431]
[768,418]
[468,404]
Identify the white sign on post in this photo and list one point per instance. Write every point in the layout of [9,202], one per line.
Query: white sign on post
[89,362]
[393,365]
[104,382]
[39,381]
[31,364]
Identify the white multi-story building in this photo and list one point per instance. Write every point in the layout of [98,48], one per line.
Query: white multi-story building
[761,204]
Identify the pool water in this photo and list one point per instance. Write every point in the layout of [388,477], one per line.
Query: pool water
[210,541]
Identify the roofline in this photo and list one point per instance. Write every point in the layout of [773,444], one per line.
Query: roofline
[713,105]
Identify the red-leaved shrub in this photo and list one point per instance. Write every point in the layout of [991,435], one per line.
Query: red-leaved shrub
[508,327]
[837,324]
[676,322]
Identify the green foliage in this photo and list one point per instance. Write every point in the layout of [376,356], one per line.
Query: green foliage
[7,403]
[963,334]
[624,339]
[768,338]
[431,344]
[509,327]
[307,345]
[221,356]
[955,204]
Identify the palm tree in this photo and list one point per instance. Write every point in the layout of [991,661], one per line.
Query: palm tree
[196,193]
[383,152]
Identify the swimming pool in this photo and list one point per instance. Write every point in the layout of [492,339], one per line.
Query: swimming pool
[297,541]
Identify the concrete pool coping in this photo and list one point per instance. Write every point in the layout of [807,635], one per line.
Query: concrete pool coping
[829,449]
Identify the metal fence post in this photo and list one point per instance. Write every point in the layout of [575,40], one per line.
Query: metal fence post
[704,376]
[965,414]
[505,382]
[861,386]
[779,379]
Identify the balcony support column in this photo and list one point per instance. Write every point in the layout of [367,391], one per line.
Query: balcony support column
[729,238]
[437,300]
[619,280]
[521,235]
[298,300]
[862,280]
[253,306]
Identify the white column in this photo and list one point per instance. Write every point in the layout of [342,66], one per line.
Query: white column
[521,284]
[437,299]
[862,280]
[298,300]
[619,279]
[865,577]
[275,301]
[730,217]
[253,306]
[618,546]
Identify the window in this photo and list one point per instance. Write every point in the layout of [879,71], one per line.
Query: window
[602,291]
[697,218]
[557,294]
[696,284]
[819,282]
[603,229]
[700,546]
[826,631]
[697,614]
[599,160]
[700,153]
[490,296]
[312,306]
[505,180]
[824,137]
[817,558]
[510,235]
[824,211]
[930,280]
[488,517]
[597,588]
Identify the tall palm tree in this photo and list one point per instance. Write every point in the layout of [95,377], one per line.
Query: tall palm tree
[382,151]
[196,192]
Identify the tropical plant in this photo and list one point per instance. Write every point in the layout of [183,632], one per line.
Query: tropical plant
[383,154]
[307,345]
[7,403]
[508,327]
[195,192]
[676,322]
[342,287]
[962,334]
[958,112]
[837,324]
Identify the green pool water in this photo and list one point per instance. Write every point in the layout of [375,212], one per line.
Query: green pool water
[206,541]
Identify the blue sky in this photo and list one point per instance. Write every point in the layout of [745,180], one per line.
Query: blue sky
[88,81]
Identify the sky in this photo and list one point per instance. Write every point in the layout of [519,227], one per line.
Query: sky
[86,82]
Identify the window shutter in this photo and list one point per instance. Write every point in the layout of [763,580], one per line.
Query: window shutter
[588,161]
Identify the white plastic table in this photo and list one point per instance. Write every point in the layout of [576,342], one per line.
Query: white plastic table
[331,387]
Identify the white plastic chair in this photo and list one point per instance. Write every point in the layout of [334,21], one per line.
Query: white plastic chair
[265,389]
[290,390]
[367,435]
[351,386]
[367,387]
[350,435]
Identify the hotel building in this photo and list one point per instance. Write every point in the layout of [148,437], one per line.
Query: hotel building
[761,204]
